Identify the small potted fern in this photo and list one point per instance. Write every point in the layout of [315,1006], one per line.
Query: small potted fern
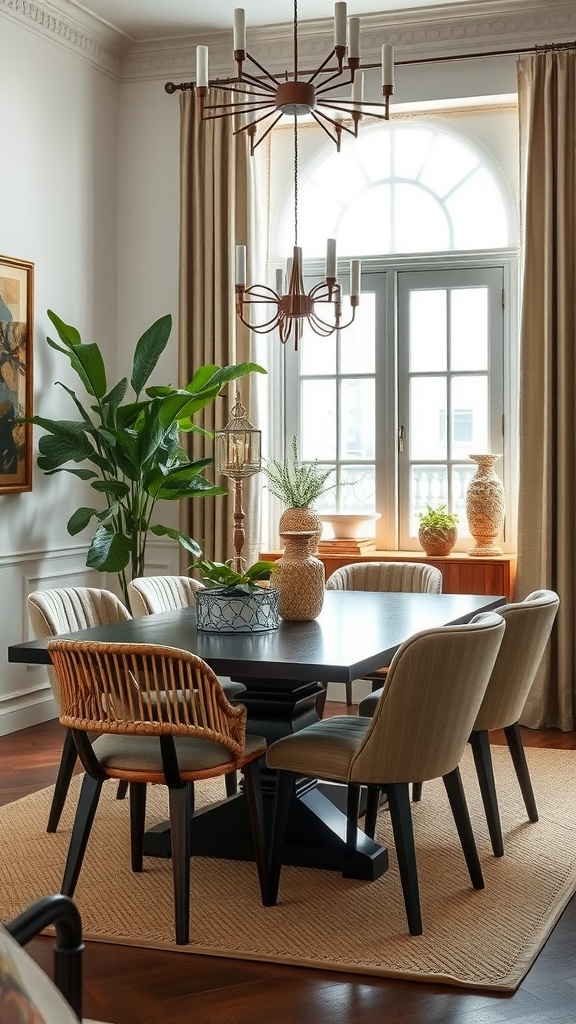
[298,485]
[438,530]
[235,602]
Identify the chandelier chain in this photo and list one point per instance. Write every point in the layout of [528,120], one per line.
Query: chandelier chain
[295,180]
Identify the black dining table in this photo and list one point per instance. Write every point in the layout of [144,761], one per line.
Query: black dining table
[284,671]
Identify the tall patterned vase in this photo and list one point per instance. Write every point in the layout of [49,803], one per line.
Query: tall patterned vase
[299,578]
[485,507]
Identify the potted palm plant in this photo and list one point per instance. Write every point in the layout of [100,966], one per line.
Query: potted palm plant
[298,485]
[233,601]
[129,451]
[438,530]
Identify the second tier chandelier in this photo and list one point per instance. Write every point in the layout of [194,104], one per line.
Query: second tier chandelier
[261,100]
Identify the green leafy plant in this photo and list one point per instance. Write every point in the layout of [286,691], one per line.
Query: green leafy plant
[437,518]
[131,449]
[221,574]
[297,484]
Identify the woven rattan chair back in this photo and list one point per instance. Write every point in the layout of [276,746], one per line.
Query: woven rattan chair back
[160,716]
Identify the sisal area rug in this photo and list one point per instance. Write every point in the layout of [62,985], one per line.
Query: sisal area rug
[482,939]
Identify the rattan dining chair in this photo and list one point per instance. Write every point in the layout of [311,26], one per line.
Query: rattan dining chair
[436,683]
[149,595]
[528,627]
[64,610]
[160,716]
[385,577]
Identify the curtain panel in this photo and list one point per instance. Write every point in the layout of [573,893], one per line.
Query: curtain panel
[547,490]
[215,213]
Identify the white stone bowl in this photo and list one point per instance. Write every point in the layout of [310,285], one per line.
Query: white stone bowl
[348,526]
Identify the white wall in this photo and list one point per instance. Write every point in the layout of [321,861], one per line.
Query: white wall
[58,208]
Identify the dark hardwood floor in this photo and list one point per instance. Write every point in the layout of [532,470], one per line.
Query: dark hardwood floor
[123,985]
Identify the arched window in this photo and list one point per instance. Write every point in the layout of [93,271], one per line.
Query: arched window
[405,188]
[417,382]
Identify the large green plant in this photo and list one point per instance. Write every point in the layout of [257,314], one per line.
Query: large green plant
[132,448]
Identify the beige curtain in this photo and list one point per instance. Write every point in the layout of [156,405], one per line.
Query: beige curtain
[215,214]
[547,494]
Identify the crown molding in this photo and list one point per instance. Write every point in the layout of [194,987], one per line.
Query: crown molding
[439,31]
[68,26]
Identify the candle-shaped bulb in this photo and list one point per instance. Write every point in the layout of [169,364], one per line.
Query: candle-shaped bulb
[358,90]
[241,266]
[387,64]
[202,67]
[279,281]
[353,37]
[340,24]
[239,29]
[331,258]
[355,278]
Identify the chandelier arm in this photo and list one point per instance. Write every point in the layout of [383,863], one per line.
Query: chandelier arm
[252,80]
[318,116]
[324,87]
[252,124]
[320,327]
[265,72]
[340,125]
[229,108]
[320,70]
[213,117]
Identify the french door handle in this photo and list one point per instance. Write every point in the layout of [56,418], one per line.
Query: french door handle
[401,439]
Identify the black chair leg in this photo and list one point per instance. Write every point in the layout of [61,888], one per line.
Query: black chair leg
[253,790]
[455,791]
[63,779]
[352,812]
[348,694]
[137,822]
[401,818]
[514,740]
[416,792]
[372,804]
[122,789]
[285,783]
[231,783]
[180,814]
[87,804]
[321,700]
[480,743]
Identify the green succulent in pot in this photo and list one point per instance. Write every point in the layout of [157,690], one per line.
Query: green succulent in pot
[438,530]
[130,451]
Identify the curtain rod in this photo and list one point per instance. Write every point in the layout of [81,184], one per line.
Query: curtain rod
[172,87]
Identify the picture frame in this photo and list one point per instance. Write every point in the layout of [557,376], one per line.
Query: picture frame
[16,352]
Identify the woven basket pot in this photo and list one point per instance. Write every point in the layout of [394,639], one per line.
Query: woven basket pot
[296,520]
[437,540]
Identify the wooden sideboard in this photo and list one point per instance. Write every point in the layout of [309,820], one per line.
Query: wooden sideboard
[461,574]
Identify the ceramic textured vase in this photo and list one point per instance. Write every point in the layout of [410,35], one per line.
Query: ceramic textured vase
[299,578]
[298,519]
[485,506]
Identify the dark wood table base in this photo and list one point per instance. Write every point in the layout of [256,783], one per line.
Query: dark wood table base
[316,831]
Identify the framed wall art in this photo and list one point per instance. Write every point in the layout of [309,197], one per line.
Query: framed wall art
[16,333]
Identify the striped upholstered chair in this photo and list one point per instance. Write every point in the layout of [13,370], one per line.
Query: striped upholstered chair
[435,686]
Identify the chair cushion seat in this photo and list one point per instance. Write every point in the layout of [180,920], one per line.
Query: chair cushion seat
[142,753]
[323,750]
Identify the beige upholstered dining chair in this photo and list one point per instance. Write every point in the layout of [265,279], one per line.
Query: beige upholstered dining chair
[528,627]
[435,686]
[161,717]
[385,577]
[64,610]
[149,595]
